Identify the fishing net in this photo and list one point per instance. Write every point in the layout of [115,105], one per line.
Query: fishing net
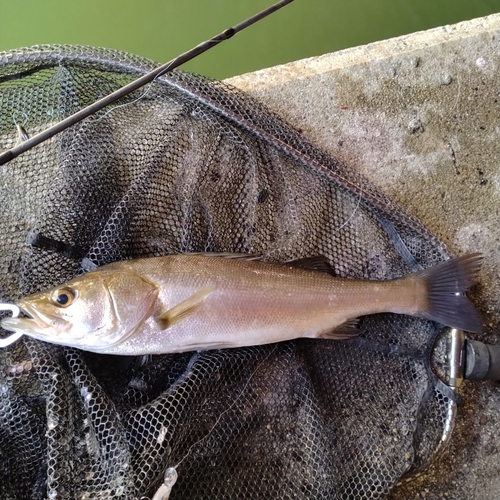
[189,164]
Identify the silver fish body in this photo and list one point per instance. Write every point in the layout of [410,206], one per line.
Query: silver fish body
[191,302]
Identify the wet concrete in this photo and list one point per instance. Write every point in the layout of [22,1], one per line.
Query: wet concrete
[419,116]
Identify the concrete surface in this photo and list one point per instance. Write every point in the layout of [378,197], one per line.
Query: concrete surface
[419,115]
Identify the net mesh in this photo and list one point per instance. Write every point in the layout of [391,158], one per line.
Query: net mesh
[190,164]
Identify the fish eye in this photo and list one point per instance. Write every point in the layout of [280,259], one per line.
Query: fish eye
[63,297]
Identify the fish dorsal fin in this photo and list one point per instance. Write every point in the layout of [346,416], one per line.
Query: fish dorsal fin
[346,330]
[229,255]
[184,309]
[317,263]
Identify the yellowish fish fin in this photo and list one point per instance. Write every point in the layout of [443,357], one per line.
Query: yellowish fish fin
[317,263]
[346,330]
[183,310]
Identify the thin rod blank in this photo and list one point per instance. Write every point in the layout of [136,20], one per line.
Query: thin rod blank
[127,89]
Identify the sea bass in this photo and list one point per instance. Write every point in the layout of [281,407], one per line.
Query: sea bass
[192,302]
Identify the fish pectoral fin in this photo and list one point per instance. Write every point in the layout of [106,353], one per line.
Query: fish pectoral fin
[346,330]
[166,319]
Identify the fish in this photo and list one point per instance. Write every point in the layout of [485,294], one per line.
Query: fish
[191,302]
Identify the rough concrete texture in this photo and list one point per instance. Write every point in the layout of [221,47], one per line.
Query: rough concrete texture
[419,116]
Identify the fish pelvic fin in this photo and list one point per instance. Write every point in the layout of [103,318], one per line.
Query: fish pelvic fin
[181,311]
[346,330]
[446,284]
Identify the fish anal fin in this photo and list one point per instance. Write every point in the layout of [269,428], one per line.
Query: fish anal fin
[184,309]
[208,346]
[346,330]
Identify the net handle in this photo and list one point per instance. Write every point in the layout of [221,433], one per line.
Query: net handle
[139,82]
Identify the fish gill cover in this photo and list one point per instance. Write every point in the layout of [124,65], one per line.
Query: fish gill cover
[188,164]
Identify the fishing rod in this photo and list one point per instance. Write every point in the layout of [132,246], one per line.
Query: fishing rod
[136,84]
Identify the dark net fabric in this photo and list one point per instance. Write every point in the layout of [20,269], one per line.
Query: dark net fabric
[189,164]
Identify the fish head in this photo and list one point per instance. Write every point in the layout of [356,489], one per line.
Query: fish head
[91,312]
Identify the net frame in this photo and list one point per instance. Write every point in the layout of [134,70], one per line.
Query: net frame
[110,189]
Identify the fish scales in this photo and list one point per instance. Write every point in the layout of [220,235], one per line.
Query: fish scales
[254,303]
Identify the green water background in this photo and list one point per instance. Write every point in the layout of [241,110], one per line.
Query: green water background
[161,29]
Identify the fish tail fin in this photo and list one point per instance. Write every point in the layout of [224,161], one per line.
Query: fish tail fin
[446,284]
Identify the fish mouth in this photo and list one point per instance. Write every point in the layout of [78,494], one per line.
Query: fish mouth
[27,326]
[37,325]
[36,316]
